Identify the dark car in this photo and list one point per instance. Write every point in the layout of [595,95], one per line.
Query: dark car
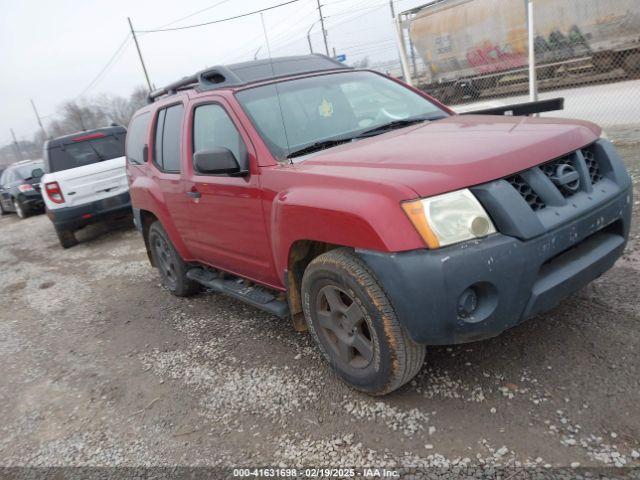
[20,188]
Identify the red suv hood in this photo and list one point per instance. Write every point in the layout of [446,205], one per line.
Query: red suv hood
[453,153]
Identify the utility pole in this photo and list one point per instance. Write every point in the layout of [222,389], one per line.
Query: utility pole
[144,68]
[16,146]
[402,49]
[309,36]
[35,110]
[324,32]
[533,81]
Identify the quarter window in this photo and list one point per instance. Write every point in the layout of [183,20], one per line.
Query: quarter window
[137,138]
[213,128]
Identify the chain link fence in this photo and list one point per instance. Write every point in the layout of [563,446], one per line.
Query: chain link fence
[473,54]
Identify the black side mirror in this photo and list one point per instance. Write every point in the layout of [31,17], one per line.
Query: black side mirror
[218,161]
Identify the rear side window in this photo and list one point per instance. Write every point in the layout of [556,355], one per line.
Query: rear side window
[167,139]
[137,138]
[85,152]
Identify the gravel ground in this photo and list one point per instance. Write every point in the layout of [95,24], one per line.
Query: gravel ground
[103,367]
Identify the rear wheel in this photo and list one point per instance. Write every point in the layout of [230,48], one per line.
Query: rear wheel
[173,270]
[2,211]
[66,238]
[20,210]
[356,328]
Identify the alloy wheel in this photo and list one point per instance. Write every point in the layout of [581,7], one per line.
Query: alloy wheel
[166,264]
[343,327]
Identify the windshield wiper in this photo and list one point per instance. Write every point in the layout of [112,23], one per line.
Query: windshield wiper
[333,142]
[321,145]
[405,122]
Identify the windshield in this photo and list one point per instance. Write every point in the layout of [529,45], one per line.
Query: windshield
[77,154]
[342,105]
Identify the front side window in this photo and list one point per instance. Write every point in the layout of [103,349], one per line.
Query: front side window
[9,178]
[212,128]
[167,138]
[137,138]
[294,114]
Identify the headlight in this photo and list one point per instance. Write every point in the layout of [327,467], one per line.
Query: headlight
[450,218]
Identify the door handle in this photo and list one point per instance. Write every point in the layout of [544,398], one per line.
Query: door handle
[194,194]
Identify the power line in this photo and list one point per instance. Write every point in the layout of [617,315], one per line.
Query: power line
[104,69]
[347,20]
[194,13]
[353,10]
[219,20]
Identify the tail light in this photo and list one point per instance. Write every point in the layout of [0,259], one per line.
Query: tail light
[53,192]
[25,187]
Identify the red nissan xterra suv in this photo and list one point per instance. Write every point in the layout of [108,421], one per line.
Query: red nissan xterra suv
[366,211]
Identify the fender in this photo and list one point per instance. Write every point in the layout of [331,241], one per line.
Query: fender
[368,219]
[146,195]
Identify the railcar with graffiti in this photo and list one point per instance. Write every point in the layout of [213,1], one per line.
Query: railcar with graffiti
[477,41]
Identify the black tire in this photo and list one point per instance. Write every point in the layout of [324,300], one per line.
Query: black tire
[2,211]
[173,270]
[335,286]
[66,238]
[21,211]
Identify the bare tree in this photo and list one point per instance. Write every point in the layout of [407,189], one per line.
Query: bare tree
[119,110]
[82,115]
[362,63]
[78,115]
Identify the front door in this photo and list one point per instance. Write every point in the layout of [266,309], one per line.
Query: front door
[227,211]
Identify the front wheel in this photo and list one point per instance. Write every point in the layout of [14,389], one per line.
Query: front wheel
[173,270]
[355,326]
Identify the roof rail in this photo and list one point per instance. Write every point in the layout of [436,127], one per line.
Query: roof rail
[206,79]
[249,72]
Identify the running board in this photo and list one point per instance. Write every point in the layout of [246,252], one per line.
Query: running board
[238,288]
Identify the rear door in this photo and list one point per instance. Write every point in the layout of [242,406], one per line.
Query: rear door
[166,159]
[88,168]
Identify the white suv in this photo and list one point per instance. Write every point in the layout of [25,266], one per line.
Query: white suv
[85,180]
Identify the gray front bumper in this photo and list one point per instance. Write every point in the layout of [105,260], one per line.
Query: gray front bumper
[538,259]
[513,279]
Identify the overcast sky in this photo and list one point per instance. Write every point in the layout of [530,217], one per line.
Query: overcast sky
[53,50]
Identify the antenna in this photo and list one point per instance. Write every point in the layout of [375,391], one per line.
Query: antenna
[273,74]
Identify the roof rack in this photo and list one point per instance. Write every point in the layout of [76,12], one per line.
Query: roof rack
[250,72]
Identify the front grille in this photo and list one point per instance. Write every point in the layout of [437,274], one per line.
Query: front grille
[550,169]
[531,197]
[592,165]
[553,170]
